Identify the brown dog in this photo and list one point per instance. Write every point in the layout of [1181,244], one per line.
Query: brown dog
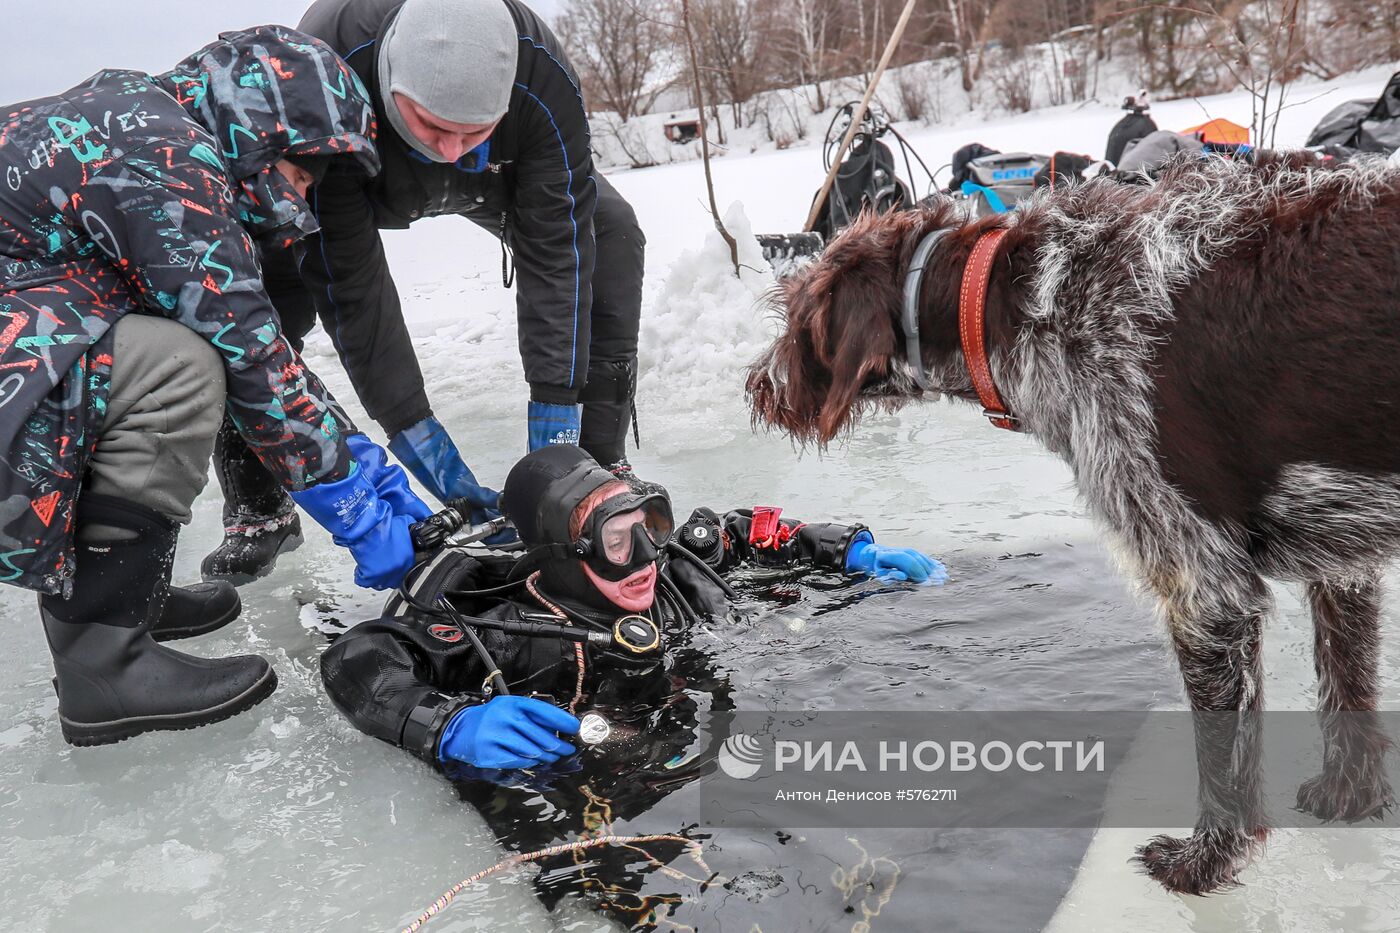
[1217,357]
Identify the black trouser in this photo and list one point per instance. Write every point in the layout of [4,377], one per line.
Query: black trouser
[617,314]
[612,353]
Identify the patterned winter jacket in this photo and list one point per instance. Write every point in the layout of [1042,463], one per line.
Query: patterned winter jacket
[134,193]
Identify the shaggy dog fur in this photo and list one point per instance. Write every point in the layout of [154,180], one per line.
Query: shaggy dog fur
[1217,357]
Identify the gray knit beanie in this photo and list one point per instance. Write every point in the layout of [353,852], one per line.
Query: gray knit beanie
[454,58]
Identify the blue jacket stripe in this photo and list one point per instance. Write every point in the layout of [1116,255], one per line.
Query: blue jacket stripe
[577,91]
[564,152]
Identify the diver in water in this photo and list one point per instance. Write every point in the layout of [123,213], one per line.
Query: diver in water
[618,603]
[484,660]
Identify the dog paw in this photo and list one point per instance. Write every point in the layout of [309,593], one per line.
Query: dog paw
[1199,864]
[1346,798]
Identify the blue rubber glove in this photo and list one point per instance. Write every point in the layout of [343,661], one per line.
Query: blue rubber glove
[892,563]
[429,454]
[551,424]
[389,480]
[507,732]
[358,519]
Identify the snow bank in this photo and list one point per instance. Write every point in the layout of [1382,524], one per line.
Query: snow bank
[701,330]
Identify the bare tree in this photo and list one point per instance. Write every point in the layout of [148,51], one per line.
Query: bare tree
[804,31]
[616,45]
[688,30]
[1262,46]
[1039,39]
[1168,43]
[1347,35]
[729,37]
[965,21]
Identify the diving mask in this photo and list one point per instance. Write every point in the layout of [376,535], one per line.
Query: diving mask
[625,533]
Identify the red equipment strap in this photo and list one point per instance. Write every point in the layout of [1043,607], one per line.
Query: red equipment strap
[972,315]
[766,531]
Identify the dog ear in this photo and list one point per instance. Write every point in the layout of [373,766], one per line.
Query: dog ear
[856,341]
[843,332]
[859,336]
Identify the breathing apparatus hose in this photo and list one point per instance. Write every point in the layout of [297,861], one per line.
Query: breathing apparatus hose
[540,630]
[486,590]
[444,609]
[879,128]
[909,150]
[668,589]
[494,671]
[674,548]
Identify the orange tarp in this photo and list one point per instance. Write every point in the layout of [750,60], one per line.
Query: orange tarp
[1220,131]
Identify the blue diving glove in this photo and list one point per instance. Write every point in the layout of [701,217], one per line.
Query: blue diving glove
[358,519]
[429,454]
[388,480]
[551,424]
[507,732]
[892,563]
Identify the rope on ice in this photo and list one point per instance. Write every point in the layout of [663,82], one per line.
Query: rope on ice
[447,897]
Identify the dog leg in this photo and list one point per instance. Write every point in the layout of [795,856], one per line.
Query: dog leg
[1219,652]
[1346,646]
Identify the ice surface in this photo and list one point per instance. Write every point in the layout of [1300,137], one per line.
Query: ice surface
[289,818]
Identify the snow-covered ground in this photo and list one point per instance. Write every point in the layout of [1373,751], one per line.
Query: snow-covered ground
[286,817]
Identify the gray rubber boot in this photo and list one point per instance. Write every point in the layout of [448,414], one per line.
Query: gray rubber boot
[113,680]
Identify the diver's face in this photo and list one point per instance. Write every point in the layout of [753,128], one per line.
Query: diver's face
[633,593]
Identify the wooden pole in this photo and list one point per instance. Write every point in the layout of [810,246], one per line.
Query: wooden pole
[859,115]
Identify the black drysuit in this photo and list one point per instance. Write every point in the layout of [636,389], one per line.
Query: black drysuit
[402,677]
[577,247]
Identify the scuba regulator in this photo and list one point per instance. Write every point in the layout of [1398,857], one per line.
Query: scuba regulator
[445,528]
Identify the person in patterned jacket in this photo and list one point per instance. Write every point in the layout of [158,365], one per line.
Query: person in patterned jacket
[132,312]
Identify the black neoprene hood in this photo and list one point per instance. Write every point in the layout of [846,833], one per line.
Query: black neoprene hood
[545,487]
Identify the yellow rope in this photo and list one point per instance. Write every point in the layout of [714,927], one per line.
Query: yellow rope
[441,903]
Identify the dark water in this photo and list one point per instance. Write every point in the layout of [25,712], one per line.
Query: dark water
[1051,629]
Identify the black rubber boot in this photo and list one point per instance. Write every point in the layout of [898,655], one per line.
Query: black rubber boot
[260,520]
[197,609]
[608,410]
[113,680]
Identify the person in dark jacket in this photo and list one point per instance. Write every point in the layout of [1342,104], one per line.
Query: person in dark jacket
[601,567]
[483,118]
[1136,124]
[133,212]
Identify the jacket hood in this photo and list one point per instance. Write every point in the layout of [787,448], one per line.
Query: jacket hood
[271,91]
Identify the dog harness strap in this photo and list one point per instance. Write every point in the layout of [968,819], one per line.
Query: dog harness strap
[972,319]
[913,284]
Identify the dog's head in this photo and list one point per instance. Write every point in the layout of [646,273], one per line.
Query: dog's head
[843,351]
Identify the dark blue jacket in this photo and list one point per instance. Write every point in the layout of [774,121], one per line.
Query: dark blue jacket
[537,191]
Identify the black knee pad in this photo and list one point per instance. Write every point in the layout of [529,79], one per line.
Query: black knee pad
[608,408]
[613,381]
